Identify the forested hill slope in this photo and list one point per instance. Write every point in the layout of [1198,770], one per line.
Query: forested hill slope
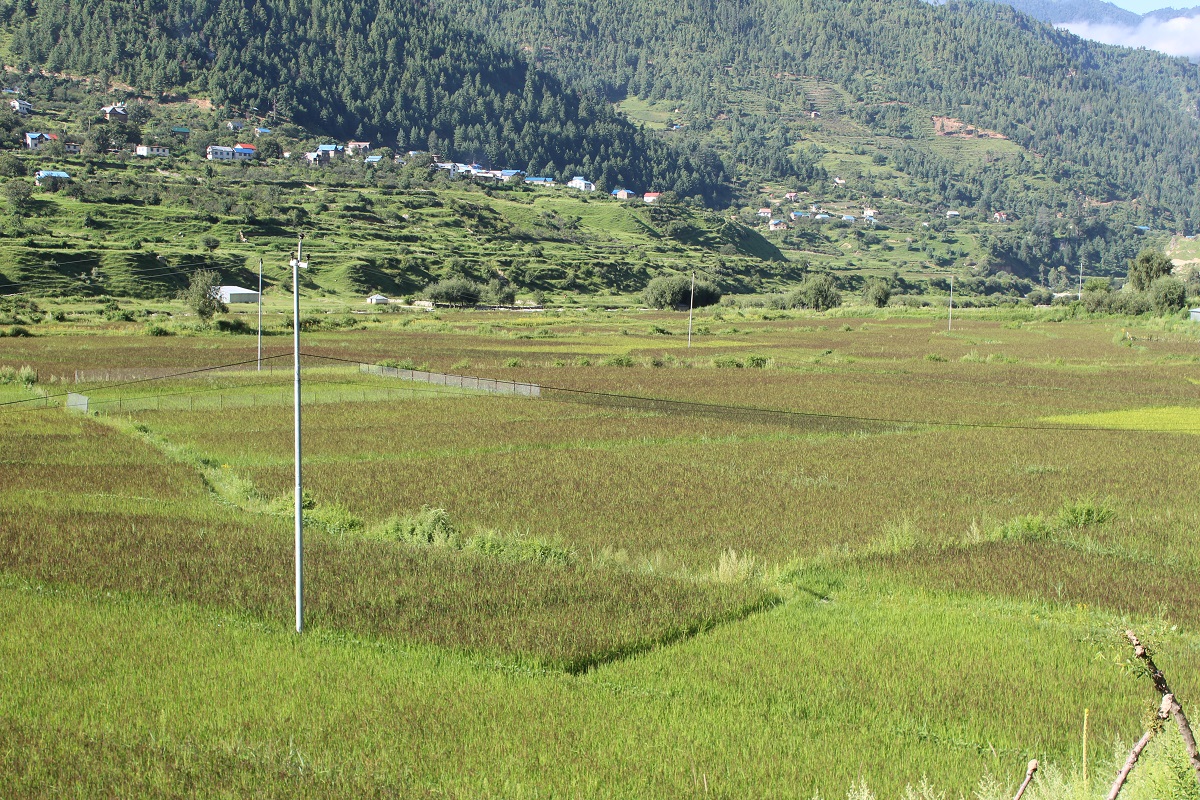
[1111,123]
[386,70]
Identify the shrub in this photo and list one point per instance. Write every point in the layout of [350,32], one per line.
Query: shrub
[757,362]
[240,326]
[1082,513]
[454,291]
[818,292]
[727,362]
[1147,267]
[1168,295]
[7,375]
[499,293]
[1040,297]
[675,291]
[877,293]
[154,329]
[616,361]
[429,526]
[201,294]
[19,331]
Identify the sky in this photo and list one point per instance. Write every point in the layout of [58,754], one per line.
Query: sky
[1179,36]
[1140,6]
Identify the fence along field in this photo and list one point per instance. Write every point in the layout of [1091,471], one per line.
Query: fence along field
[874,539]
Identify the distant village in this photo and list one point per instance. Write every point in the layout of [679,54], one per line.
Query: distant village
[775,219]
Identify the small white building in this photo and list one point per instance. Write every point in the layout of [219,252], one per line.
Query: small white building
[377,300]
[216,152]
[582,184]
[152,151]
[21,107]
[236,294]
[1194,315]
[235,125]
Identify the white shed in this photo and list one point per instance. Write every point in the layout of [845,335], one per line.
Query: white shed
[1194,315]
[377,300]
[236,294]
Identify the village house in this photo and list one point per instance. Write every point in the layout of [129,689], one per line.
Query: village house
[261,132]
[358,147]
[331,150]
[244,152]
[764,212]
[42,176]
[1000,216]
[538,181]
[372,159]
[840,181]
[35,140]
[952,214]
[216,152]
[152,151]
[20,106]
[181,132]
[377,300]
[777,225]
[582,184]
[235,125]
[72,148]
[622,194]
[651,197]
[509,174]
[849,218]
[116,113]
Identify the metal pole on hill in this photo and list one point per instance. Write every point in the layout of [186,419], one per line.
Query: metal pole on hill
[691,306]
[1080,295]
[297,265]
[950,321]
[260,315]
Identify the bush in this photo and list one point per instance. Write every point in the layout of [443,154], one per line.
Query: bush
[1149,266]
[499,293]
[1168,295]
[454,291]
[1040,297]
[617,361]
[675,291]
[17,332]
[201,295]
[877,293]
[429,526]
[818,292]
[240,326]
[154,329]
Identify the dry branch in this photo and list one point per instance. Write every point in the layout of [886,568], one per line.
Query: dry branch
[1033,766]
[1164,713]
[1160,683]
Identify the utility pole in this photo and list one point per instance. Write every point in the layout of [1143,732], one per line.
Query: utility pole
[950,321]
[260,315]
[1080,296]
[297,265]
[691,306]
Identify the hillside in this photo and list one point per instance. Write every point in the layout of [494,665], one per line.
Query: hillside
[384,70]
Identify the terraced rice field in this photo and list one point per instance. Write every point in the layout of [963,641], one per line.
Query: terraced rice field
[909,557]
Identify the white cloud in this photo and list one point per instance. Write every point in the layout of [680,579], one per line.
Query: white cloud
[1179,36]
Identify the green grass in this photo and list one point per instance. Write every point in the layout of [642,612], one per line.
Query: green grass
[634,598]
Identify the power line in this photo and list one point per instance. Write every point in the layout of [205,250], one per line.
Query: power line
[145,380]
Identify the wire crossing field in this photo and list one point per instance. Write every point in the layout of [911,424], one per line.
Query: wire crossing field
[668,573]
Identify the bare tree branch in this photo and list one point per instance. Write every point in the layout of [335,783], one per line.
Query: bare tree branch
[1033,767]
[1160,683]
[1164,713]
